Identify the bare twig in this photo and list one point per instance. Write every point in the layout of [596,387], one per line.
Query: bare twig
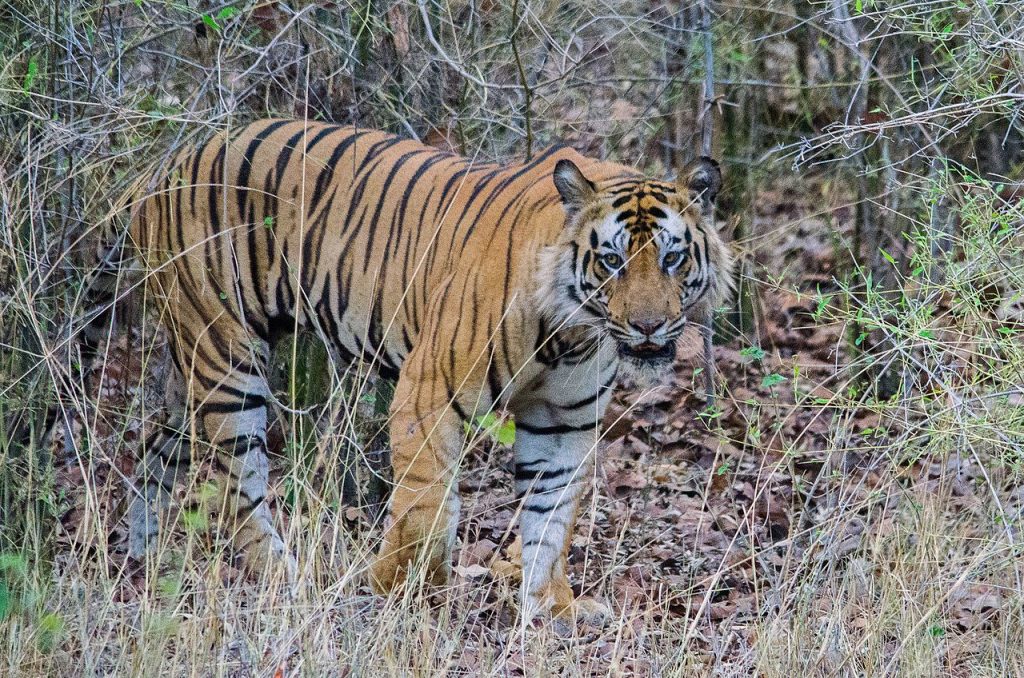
[707,131]
[527,90]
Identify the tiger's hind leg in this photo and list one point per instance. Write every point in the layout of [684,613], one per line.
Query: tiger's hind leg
[224,385]
[164,460]
[231,395]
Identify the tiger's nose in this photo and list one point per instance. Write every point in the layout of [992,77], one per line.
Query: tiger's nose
[647,326]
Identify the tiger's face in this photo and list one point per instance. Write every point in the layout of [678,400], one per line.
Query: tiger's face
[637,259]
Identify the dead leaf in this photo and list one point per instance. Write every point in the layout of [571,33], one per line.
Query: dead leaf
[471,571]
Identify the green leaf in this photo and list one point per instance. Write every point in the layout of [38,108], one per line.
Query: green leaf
[6,604]
[207,492]
[50,628]
[858,6]
[498,429]
[769,380]
[268,221]
[211,23]
[753,352]
[712,412]
[487,421]
[936,631]
[291,497]
[30,74]
[227,13]
[169,586]
[823,302]
[739,57]
[195,521]
[506,434]
[14,564]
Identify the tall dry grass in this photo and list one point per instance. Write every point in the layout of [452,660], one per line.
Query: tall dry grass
[903,555]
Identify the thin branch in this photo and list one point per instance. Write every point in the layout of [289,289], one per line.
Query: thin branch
[527,91]
[707,132]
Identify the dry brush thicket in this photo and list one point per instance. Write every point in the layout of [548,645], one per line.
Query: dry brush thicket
[852,503]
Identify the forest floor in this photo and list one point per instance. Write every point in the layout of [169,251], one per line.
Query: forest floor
[801,526]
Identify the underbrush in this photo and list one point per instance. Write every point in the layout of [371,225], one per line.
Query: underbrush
[800,526]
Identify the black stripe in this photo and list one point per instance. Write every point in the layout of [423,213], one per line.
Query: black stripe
[196,161]
[233,407]
[555,429]
[447,187]
[533,508]
[285,156]
[399,217]
[500,188]
[216,186]
[238,444]
[367,165]
[245,167]
[327,173]
[455,406]
[523,474]
[310,253]
[589,400]
[250,504]
[382,197]
[238,393]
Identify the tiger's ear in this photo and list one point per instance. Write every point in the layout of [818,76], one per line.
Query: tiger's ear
[574,188]
[703,181]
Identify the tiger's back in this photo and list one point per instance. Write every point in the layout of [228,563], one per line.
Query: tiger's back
[298,223]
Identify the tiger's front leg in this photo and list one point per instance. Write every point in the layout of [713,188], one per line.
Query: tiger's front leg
[554,463]
[423,513]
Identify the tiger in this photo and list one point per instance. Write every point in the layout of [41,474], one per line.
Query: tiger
[478,286]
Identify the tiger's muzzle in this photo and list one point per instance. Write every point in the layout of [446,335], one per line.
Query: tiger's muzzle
[648,344]
[648,352]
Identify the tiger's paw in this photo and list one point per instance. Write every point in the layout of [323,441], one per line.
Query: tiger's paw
[269,559]
[391,571]
[585,610]
[386,572]
[398,557]
[564,610]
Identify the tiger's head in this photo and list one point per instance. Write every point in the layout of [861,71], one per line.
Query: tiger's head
[636,259]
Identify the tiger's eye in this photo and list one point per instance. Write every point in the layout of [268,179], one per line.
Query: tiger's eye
[672,258]
[611,260]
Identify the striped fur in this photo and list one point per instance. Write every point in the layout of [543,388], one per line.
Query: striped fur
[476,285]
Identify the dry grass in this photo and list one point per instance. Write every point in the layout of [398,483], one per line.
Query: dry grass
[810,528]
